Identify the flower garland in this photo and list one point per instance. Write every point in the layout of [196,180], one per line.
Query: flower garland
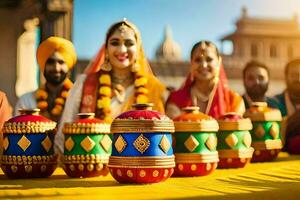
[104,95]
[42,96]
[141,91]
[105,92]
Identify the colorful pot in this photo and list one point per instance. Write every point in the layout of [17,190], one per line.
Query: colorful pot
[142,146]
[28,146]
[195,143]
[266,136]
[234,141]
[87,146]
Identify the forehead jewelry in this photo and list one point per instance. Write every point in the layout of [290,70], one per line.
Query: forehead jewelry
[202,45]
[123,29]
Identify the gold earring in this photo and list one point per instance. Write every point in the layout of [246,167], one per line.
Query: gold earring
[106,66]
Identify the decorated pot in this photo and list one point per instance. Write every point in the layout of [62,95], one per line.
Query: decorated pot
[234,141]
[28,146]
[87,146]
[266,137]
[142,146]
[195,143]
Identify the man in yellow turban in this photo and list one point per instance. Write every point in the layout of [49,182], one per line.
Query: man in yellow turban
[56,57]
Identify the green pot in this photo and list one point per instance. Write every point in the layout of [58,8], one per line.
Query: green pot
[87,147]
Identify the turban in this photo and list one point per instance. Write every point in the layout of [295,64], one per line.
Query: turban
[61,45]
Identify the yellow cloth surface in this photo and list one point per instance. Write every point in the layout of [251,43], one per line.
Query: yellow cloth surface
[274,180]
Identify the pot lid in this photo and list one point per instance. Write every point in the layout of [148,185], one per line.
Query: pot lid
[29,121]
[259,111]
[86,124]
[194,120]
[142,119]
[233,121]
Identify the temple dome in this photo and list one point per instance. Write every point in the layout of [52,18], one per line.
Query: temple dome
[169,50]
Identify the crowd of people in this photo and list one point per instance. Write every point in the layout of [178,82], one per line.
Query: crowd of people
[120,75]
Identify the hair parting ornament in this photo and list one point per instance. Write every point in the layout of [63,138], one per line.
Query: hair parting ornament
[123,28]
[140,79]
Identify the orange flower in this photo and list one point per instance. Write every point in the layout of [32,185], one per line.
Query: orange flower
[64,94]
[41,94]
[106,110]
[68,84]
[42,105]
[57,110]
[59,101]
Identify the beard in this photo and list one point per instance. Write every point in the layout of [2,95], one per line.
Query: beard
[55,78]
[257,91]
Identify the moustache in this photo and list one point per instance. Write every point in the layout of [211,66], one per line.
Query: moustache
[259,89]
[55,78]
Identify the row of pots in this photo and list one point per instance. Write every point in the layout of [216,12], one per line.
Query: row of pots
[141,148]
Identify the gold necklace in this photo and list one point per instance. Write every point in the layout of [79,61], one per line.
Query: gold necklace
[198,96]
[122,81]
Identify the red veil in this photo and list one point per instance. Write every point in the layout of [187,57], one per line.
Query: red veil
[218,103]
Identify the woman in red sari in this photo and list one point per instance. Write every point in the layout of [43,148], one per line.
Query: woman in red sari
[205,86]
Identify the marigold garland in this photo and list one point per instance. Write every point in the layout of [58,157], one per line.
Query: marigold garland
[105,92]
[105,79]
[64,94]
[142,90]
[104,95]
[42,96]
[140,87]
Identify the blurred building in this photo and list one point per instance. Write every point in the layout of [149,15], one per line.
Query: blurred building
[23,24]
[168,65]
[273,42]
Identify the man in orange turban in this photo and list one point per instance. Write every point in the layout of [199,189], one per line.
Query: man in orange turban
[56,57]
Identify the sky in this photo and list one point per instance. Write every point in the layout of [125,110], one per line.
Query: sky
[190,20]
